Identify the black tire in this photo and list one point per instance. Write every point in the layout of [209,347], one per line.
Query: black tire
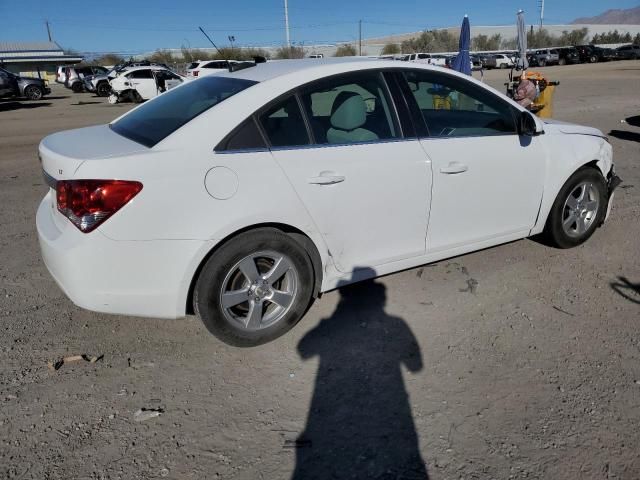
[33,92]
[219,269]
[562,61]
[135,96]
[103,89]
[554,232]
[542,63]
[77,87]
[593,59]
[503,66]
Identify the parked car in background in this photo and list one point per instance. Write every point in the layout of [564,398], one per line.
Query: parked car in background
[263,217]
[628,52]
[503,61]
[568,56]
[75,76]
[593,54]
[142,83]
[316,55]
[100,85]
[476,62]
[544,57]
[8,84]
[428,58]
[208,67]
[12,85]
[61,74]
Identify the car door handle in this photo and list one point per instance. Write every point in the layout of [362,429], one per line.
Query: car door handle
[326,178]
[454,167]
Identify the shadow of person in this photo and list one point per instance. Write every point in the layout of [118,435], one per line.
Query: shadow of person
[626,289]
[625,135]
[360,423]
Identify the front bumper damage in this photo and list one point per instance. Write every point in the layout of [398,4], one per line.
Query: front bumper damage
[613,181]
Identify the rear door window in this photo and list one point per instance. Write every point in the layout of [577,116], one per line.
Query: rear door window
[350,108]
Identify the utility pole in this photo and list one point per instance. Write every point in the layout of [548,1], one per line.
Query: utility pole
[48,29]
[286,23]
[360,37]
[541,5]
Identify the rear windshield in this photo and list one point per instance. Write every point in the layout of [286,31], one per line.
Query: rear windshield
[154,121]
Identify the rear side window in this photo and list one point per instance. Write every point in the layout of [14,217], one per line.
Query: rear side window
[153,121]
[245,137]
[284,124]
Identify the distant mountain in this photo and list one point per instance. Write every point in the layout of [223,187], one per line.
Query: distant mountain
[630,16]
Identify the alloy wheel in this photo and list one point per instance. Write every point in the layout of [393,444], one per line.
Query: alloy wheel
[259,290]
[580,209]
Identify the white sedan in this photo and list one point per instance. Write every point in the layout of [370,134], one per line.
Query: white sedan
[243,196]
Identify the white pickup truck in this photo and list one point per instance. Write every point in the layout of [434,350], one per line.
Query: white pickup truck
[430,58]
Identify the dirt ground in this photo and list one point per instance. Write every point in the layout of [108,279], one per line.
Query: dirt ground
[519,361]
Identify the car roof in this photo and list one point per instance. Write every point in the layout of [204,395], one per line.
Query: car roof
[144,67]
[277,68]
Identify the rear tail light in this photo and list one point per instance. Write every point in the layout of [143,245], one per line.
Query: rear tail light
[88,203]
[195,74]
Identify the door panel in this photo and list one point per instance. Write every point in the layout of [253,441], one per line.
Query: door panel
[488,180]
[369,201]
[483,188]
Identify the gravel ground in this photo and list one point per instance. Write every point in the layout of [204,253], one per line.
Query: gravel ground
[519,361]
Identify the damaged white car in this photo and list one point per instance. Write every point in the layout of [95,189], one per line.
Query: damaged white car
[242,196]
[142,83]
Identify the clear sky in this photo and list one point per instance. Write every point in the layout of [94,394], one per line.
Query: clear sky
[134,26]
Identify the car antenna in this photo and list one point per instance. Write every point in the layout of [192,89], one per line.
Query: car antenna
[214,45]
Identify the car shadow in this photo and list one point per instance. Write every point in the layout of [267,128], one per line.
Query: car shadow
[626,289]
[12,105]
[360,423]
[624,135]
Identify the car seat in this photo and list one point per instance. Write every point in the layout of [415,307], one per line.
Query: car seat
[348,115]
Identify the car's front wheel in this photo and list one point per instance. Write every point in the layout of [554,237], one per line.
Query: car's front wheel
[77,87]
[103,89]
[578,209]
[255,288]
[33,92]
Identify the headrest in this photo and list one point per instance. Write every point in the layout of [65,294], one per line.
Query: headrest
[348,112]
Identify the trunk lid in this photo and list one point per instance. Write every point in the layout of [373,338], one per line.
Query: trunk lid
[62,153]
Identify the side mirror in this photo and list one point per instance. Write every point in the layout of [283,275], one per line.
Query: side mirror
[527,124]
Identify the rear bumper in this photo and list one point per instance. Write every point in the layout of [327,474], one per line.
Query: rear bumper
[141,278]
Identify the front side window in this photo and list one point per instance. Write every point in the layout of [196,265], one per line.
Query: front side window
[153,121]
[351,108]
[454,107]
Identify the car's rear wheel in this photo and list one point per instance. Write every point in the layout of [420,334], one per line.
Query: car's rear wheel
[135,96]
[77,87]
[255,288]
[33,92]
[103,89]
[542,63]
[593,59]
[578,209]
[562,61]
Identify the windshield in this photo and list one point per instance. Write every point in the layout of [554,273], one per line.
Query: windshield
[156,120]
